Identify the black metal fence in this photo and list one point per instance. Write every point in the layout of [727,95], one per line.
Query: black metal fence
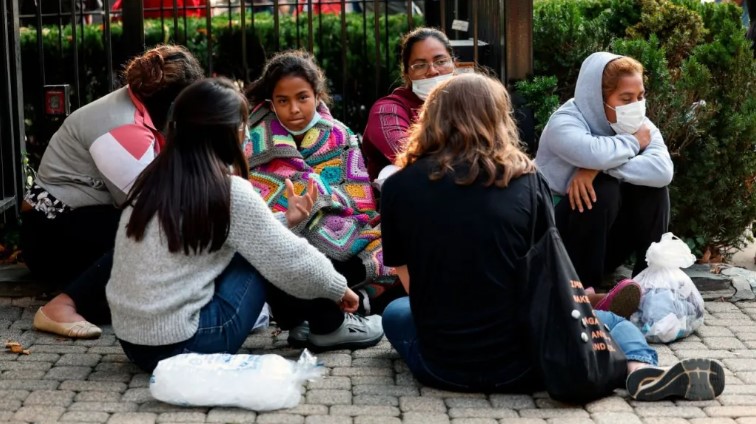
[61,54]
[11,112]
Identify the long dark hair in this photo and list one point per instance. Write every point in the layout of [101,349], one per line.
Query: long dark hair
[187,185]
[291,63]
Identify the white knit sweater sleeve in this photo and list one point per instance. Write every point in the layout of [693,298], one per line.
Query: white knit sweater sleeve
[286,260]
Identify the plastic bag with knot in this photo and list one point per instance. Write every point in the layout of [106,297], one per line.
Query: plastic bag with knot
[257,382]
[671,306]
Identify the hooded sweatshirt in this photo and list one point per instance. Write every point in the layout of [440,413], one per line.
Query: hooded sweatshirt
[578,135]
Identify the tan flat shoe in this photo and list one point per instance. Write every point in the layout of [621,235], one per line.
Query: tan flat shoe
[76,330]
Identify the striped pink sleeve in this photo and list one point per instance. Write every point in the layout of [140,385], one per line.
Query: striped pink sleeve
[121,155]
[387,127]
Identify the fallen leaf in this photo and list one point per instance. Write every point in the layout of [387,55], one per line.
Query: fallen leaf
[15,347]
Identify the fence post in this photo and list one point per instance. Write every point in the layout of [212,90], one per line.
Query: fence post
[518,38]
[133,27]
[11,112]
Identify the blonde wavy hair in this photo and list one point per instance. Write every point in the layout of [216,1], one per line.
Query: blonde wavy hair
[466,128]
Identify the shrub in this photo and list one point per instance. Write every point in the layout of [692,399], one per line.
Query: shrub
[680,28]
[563,36]
[540,93]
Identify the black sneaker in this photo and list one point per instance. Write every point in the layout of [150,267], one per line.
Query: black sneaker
[355,332]
[690,379]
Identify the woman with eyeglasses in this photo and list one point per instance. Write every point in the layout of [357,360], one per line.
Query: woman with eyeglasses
[427,60]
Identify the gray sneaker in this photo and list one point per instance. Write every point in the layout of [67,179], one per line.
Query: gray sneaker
[298,335]
[355,332]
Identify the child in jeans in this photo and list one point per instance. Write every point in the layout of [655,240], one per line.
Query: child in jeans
[197,249]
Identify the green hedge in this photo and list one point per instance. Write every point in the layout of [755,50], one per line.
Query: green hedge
[701,84]
[358,77]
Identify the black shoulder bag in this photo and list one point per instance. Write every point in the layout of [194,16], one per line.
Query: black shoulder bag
[578,360]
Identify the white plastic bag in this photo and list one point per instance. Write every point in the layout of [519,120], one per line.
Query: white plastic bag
[257,382]
[386,172]
[263,320]
[671,306]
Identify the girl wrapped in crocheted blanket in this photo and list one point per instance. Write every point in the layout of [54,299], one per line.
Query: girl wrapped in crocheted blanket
[343,222]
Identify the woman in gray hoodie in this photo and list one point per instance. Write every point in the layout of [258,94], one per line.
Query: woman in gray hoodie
[608,168]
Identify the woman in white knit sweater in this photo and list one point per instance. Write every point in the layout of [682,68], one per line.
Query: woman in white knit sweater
[197,246]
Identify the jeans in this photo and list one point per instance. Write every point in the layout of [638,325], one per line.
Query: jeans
[224,323]
[629,338]
[401,332]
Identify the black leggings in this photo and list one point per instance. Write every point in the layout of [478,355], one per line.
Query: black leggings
[625,219]
[58,250]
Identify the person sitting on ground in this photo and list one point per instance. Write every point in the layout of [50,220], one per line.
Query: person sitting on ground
[293,135]
[197,249]
[70,214]
[608,168]
[459,328]
[427,60]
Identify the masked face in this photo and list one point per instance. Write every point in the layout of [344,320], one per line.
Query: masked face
[429,64]
[630,117]
[625,107]
[423,87]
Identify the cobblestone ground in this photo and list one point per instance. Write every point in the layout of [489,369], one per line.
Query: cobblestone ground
[92,381]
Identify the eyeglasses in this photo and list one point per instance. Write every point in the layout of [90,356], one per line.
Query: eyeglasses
[444,64]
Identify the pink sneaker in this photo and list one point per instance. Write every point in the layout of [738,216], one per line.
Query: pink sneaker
[623,299]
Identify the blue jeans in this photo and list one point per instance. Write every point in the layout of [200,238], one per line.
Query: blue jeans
[399,326]
[224,322]
[629,339]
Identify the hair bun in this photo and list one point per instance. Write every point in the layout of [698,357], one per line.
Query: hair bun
[145,73]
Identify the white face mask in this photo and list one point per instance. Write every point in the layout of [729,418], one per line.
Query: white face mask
[423,87]
[630,117]
[315,119]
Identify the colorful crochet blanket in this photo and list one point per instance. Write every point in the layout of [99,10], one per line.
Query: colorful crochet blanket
[341,222]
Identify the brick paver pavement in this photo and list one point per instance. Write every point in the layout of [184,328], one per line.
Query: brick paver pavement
[91,381]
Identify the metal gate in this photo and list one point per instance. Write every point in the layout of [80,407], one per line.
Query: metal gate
[71,51]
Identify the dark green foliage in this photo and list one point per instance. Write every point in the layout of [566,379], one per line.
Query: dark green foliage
[564,36]
[679,28]
[352,80]
[540,93]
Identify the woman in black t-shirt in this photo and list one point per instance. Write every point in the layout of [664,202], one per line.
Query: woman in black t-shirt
[455,221]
